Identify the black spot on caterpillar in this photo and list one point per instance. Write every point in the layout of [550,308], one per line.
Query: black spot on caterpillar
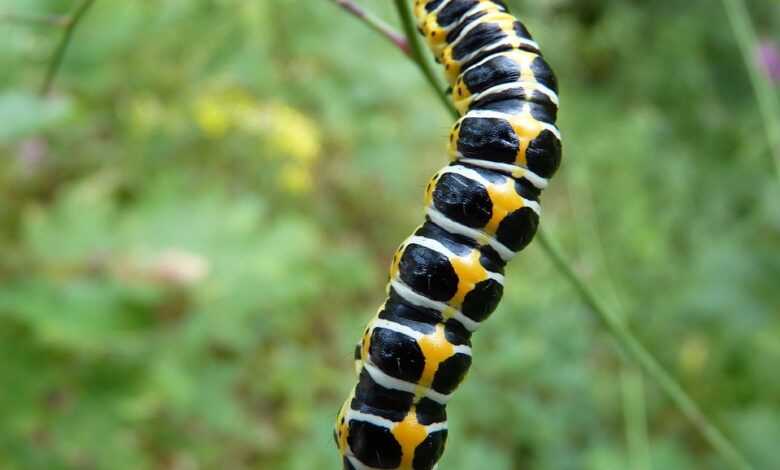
[481,209]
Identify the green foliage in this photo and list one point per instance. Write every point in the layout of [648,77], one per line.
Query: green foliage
[196,225]
[25,114]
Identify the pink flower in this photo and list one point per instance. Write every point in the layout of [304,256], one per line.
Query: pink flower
[769,59]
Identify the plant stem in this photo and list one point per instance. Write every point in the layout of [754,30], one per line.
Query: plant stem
[632,387]
[614,326]
[635,417]
[59,53]
[652,367]
[405,13]
[765,93]
[375,23]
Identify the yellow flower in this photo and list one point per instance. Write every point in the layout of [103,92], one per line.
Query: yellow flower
[292,133]
[287,132]
[295,179]
[212,117]
[694,353]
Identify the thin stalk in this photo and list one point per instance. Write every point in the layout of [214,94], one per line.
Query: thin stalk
[405,13]
[632,390]
[632,387]
[637,352]
[765,94]
[59,53]
[612,323]
[375,23]
[35,20]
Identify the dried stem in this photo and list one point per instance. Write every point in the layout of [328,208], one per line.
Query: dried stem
[375,23]
[59,53]
[35,20]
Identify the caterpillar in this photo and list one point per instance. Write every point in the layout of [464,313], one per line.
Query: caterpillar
[481,209]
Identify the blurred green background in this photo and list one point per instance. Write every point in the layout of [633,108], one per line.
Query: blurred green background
[197,222]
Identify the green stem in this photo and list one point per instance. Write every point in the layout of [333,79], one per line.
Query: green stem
[614,326]
[765,93]
[637,352]
[405,13]
[635,417]
[59,53]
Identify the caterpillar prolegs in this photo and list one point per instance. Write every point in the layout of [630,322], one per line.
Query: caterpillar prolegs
[483,208]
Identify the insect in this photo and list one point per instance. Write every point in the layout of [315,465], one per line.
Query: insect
[481,209]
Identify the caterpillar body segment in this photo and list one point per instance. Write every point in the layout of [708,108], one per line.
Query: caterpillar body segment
[508,74]
[506,132]
[503,210]
[480,211]
[442,23]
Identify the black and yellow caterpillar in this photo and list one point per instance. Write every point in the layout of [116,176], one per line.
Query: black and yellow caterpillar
[483,208]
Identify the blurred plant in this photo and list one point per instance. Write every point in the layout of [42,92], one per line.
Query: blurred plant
[59,52]
[766,95]
[296,178]
[148,113]
[769,58]
[287,130]
[31,154]
[694,354]
[288,136]
[172,266]
[58,21]
[214,116]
